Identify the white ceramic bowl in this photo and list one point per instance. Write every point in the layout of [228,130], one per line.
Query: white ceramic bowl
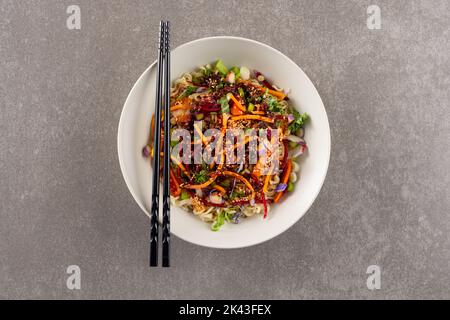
[134,129]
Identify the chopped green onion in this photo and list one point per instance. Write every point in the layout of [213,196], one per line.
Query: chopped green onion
[292,144]
[187,92]
[245,73]
[237,194]
[221,68]
[273,105]
[237,72]
[251,107]
[220,221]
[201,177]
[228,216]
[184,195]
[299,121]
[225,183]
[206,70]
[290,187]
[215,226]
[197,79]
[241,92]
[224,104]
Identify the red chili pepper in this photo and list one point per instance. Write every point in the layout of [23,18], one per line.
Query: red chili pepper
[209,107]
[240,202]
[255,182]
[265,204]
[264,82]
[208,203]
[245,202]
[285,155]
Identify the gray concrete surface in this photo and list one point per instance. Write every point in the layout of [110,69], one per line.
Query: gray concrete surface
[385,200]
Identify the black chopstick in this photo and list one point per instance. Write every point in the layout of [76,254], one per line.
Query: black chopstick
[166,172]
[154,223]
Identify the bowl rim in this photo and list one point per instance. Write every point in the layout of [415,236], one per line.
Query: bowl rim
[328,139]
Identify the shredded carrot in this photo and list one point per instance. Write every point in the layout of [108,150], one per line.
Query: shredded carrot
[177,191]
[257,168]
[262,161]
[212,178]
[266,182]
[235,111]
[201,186]
[245,181]
[284,180]
[152,128]
[220,142]
[280,95]
[180,165]
[200,133]
[258,112]
[224,122]
[237,103]
[180,107]
[219,188]
[152,152]
[252,117]
[246,140]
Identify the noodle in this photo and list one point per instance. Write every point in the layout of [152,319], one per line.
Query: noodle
[222,192]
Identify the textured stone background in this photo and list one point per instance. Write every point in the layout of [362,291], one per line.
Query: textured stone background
[385,200]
